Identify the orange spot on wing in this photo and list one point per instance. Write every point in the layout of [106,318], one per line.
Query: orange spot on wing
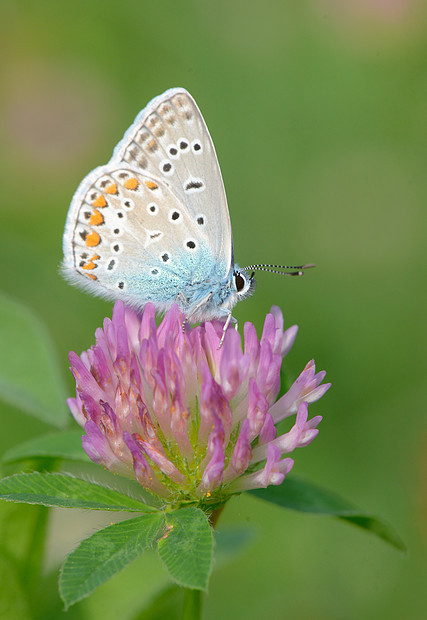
[150,184]
[100,202]
[91,276]
[89,265]
[96,218]
[131,183]
[111,189]
[94,257]
[92,239]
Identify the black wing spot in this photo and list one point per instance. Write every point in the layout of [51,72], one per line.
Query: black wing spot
[193,185]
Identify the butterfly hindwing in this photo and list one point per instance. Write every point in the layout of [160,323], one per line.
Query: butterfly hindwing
[132,239]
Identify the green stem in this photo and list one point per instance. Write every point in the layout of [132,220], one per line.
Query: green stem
[192,605]
[36,549]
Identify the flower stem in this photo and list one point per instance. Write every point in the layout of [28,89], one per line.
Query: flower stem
[192,605]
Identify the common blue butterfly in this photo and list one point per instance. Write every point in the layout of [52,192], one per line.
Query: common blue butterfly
[153,224]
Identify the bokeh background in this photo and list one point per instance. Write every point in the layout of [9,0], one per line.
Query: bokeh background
[317,111]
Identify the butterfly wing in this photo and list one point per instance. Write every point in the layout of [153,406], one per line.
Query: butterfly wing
[170,140]
[130,238]
[153,222]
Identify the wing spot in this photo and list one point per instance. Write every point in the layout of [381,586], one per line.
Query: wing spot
[132,153]
[99,202]
[96,219]
[131,183]
[197,147]
[111,189]
[152,121]
[174,215]
[201,220]
[153,236]
[183,145]
[154,272]
[152,146]
[152,208]
[173,151]
[111,264]
[92,239]
[191,245]
[194,185]
[184,110]
[151,185]
[143,135]
[165,257]
[121,285]
[128,204]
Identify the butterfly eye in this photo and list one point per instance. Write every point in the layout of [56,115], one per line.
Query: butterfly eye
[239,282]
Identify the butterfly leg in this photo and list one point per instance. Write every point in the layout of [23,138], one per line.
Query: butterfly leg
[182,302]
[230,318]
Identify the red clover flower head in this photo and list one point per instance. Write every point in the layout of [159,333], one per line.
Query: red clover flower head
[189,420]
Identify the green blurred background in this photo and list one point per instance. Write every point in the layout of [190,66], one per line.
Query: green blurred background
[316,111]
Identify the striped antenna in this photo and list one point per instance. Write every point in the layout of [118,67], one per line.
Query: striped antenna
[289,270]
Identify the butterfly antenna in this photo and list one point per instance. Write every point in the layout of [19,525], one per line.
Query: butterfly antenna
[283,270]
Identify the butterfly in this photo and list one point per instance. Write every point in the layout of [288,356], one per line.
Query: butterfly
[152,225]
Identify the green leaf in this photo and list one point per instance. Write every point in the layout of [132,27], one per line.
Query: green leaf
[104,554]
[298,494]
[29,376]
[62,445]
[66,491]
[187,548]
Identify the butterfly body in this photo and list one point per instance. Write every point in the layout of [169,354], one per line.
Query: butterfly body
[153,225]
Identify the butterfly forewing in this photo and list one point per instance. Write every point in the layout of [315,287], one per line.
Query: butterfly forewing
[169,140]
